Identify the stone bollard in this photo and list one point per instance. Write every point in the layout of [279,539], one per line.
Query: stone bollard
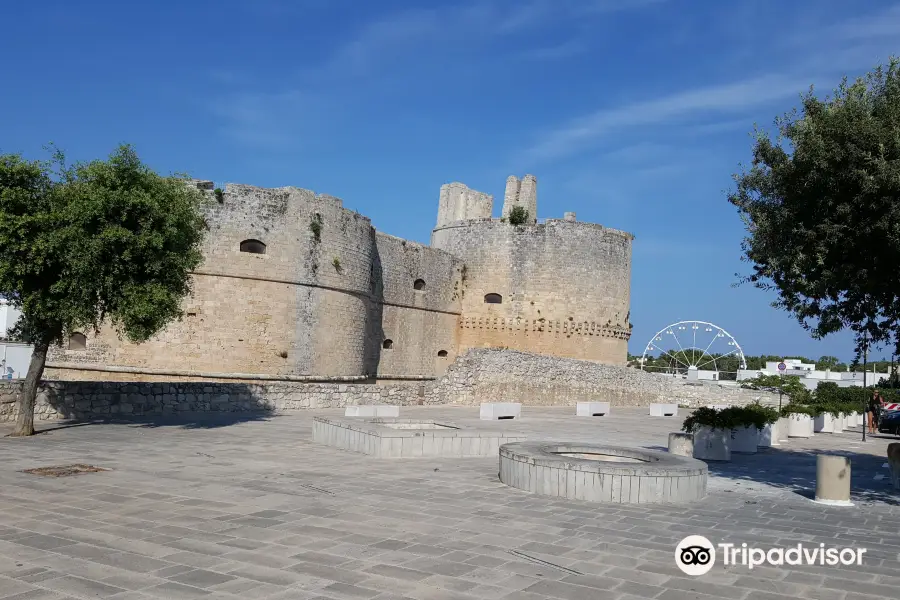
[833,480]
[681,444]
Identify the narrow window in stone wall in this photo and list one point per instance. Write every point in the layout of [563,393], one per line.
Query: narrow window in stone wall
[77,341]
[253,247]
[419,284]
[442,353]
[387,344]
[493,299]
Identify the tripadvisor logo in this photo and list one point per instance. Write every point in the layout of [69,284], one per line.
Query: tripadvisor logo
[696,555]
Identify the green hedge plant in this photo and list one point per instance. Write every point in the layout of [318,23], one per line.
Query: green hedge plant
[733,417]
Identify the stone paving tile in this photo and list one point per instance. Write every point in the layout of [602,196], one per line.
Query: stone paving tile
[221,512]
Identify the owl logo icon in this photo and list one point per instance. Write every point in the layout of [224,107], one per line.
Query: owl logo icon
[695,555]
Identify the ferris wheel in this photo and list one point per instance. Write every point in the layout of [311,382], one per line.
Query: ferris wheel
[694,345]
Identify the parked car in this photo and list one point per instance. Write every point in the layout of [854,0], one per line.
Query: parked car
[890,422]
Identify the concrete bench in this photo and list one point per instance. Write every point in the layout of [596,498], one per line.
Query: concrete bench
[372,410]
[500,410]
[591,409]
[663,410]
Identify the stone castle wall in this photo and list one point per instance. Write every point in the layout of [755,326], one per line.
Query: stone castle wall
[479,375]
[565,287]
[325,295]
[421,323]
[290,311]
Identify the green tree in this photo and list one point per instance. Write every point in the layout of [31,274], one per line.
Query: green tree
[820,205]
[83,245]
[787,385]
[518,215]
[827,362]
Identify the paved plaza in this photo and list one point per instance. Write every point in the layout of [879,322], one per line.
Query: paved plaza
[243,507]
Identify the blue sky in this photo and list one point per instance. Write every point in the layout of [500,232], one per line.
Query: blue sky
[633,113]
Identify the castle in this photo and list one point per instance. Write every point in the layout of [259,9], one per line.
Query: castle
[294,287]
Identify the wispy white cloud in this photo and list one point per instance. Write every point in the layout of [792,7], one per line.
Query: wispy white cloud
[267,120]
[817,54]
[865,27]
[725,98]
[408,32]
[566,49]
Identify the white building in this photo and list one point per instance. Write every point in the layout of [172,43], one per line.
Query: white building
[14,357]
[810,377]
[8,317]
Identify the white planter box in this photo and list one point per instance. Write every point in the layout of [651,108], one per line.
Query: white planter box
[824,423]
[799,426]
[812,427]
[712,444]
[500,410]
[838,424]
[770,435]
[860,420]
[663,410]
[745,440]
[372,410]
[783,429]
[592,409]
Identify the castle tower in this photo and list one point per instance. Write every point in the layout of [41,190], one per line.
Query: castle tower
[459,203]
[521,193]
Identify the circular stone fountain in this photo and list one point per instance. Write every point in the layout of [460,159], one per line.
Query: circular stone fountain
[598,473]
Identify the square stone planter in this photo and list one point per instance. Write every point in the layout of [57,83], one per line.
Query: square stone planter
[824,423]
[745,440]
[838,424]
[799,426]
[712,444]
[860,420]
[783,429]
[591,409]
[770,435]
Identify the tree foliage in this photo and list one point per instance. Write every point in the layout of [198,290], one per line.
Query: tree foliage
[518,215]
[99,242]
[821,207]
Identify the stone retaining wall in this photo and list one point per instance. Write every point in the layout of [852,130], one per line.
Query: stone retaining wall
[90,399]
[493,375]
[479,375]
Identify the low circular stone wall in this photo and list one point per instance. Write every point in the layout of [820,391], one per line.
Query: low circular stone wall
[599,473]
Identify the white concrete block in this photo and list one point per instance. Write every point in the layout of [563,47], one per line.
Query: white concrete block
[824,423]
[838,424]
[500,410]
[387,410]
[770,435]
[799,426]
[663,410]
[712,444]
[372,410]
[591,409]
[745,440]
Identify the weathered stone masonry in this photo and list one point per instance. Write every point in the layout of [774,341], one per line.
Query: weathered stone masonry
[479,375]
[293,284]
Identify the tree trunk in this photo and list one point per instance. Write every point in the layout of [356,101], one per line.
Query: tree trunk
[25,418]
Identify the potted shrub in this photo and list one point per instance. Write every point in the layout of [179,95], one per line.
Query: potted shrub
[746,423]
[823,419]
[799,420]
[765,420]
[840,417]
[712,437]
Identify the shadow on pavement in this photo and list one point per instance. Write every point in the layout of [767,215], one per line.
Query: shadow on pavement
[795,470]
